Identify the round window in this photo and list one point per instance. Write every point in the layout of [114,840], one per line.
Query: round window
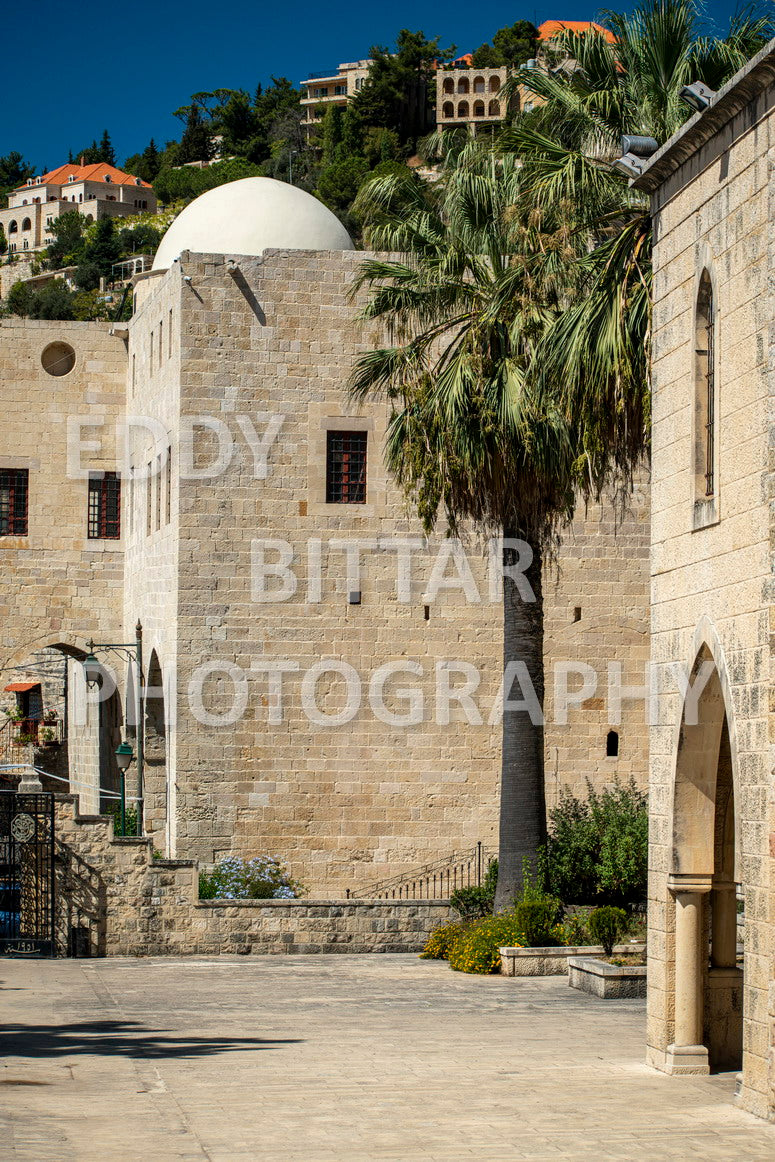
[58,358]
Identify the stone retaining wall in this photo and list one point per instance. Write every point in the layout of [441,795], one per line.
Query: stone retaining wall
[553,961]
[115,899]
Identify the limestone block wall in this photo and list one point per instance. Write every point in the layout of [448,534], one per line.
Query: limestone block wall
[244,341]
[344,804]
[57,587]
[55,584]
[596,614]
[115,899]
[711,578]
[153,393]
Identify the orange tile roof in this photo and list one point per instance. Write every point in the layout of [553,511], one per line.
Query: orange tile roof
[551,28]
[90,173]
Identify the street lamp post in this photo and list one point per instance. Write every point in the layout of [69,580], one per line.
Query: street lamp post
[124,756]
[93,674]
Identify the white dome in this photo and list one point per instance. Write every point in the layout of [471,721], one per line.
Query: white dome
[250,216]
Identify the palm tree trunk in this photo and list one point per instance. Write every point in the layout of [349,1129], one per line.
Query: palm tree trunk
[522,809]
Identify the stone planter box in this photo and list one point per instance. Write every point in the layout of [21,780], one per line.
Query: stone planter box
[606,980]
[552,961]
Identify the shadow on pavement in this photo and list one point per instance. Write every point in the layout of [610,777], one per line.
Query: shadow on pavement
[121,1039]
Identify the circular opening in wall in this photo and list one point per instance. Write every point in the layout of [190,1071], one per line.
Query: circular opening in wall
[58,358]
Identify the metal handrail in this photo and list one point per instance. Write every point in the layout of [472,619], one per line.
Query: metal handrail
[433,881]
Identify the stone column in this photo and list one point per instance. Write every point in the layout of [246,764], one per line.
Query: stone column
[687,1054]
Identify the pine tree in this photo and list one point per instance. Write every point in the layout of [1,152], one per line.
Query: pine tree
[106,150]
[195,144]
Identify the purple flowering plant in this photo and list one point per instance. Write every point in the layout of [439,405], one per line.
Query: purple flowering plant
[262,878]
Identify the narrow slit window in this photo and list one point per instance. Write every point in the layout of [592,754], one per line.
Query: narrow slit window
[612,744]
[158,491]
[346,467]
[705,392]
[168,489]
[14,494]
[104,506]
[148,498]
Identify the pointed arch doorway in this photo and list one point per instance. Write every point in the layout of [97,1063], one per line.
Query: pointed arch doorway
[704,882]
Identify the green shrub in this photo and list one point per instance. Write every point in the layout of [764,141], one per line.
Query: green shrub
[573,929]
[597,851]
[130,820]
[477,948]
[537,920]
[441,939]
[606,925]
[477,900]
[472,903]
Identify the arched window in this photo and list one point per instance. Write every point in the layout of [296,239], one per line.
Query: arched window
[448,110]
[462,85]
[26,224]
[478,84]
[612,744]
[462,109]
[495,84]
[12,227]
[478,108]
[704,392]
[449,85]
[494,109]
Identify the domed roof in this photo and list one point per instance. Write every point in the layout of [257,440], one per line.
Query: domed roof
[249,216]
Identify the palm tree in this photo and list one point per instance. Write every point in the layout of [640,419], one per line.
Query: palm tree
[598,347]
[518,320]
[469,435]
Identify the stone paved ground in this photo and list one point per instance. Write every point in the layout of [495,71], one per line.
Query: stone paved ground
[338,1058]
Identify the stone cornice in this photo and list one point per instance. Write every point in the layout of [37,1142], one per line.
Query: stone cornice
[744,87]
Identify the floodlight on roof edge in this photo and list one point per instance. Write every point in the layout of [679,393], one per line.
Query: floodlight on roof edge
[697,95]
[630,165]
[638,146]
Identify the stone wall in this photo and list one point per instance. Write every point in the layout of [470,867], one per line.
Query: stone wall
[115,899]
[351,803]
[711,560]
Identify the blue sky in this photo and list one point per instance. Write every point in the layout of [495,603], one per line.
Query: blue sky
[127,68]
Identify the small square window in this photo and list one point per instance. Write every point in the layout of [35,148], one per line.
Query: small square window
[104,506]
[14,490]
[346,467]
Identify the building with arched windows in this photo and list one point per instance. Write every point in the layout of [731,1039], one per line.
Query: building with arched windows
[96,191]
[712,829]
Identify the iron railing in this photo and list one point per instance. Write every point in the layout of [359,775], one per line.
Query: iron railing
[432,881]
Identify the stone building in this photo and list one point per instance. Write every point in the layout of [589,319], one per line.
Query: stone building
[469,97]
[321,678]
[712,827]
[336,88]
[96,191]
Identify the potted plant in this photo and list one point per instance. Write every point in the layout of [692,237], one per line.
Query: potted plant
[50,716]
[48,737]
[24,739]
[14,715]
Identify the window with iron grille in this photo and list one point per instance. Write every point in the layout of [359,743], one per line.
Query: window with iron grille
[346,468]
[104,506]
[705,391]
[14,489]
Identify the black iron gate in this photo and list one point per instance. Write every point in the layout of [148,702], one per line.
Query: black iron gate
[26,874]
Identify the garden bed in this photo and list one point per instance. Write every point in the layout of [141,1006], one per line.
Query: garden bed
[554,961]
[604,980]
